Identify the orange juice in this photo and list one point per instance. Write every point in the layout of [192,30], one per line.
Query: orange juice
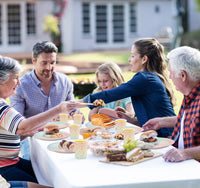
[128,134]
[81,147]
[120,125]
[64,118]
[77,119]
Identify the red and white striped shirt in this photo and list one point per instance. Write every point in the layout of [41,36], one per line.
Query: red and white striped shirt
[9,141]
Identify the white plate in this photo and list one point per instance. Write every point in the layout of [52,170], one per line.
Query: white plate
[54,147]
[89,124]
[60,124]
[41,135]
[136,128]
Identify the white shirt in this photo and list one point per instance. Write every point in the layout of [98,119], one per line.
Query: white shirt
[180,140]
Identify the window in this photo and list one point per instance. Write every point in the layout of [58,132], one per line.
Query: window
[86,18]
[133,24]
[101,23]
[30,18]
[118,23]
[14,25]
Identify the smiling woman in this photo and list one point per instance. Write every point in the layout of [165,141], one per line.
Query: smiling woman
[9,82]
[15,126]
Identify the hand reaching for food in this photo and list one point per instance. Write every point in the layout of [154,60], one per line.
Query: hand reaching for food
[120,109]
[98,102]
[71,105]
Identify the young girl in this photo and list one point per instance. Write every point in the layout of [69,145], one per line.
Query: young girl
[108,76]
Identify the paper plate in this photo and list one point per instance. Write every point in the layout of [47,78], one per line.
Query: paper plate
[136,128]
[89,124]
[54,147]
[41,136]
[163,142]
[60,124]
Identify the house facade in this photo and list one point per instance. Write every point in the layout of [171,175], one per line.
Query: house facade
[87,25]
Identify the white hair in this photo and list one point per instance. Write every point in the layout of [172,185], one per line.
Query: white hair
[8,66]
[187,59]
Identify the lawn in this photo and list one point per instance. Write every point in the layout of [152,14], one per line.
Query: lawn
[99,57]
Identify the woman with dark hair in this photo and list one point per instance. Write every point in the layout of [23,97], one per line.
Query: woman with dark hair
[149,89]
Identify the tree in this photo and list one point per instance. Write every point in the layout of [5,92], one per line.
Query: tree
[52,22]
[198,5]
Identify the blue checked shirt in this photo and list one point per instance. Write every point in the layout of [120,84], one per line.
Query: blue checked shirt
[30,99]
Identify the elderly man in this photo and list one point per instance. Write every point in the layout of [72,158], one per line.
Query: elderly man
[42,88]
[184,67]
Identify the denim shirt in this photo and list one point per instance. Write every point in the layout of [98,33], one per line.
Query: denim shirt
[149,98]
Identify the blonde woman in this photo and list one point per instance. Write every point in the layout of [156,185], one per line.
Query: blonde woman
[108,76]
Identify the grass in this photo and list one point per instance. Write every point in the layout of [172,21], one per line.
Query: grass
[191,39]
[99,57]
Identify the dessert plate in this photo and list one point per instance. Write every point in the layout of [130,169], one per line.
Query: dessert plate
[54,147]
[136,128]
[163,142]
[60,124]
[58,136]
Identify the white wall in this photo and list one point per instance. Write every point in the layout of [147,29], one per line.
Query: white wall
[42,8]
[149,23]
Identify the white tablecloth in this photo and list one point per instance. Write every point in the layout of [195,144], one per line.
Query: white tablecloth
[62,170]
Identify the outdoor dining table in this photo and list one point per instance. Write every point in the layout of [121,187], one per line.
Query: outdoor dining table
[63,170]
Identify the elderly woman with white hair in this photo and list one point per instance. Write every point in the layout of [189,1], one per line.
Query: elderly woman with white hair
[13,125]
[184,67]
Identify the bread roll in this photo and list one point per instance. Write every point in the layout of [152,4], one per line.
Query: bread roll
[51,128]
[148,134]
[102,120]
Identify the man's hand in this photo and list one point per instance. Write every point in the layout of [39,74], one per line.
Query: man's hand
[175,155]
[157,123]
[152,124]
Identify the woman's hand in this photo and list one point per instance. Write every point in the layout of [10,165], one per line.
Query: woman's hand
[68,106]
[121,112]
